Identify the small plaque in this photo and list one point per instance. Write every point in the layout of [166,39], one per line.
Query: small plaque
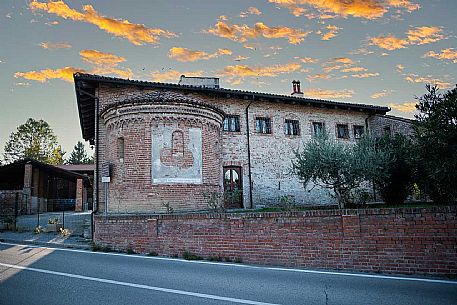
[106,179]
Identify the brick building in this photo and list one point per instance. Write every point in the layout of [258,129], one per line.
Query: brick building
[163,146]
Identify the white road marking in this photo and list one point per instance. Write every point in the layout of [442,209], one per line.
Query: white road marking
[127,284]
[386,277]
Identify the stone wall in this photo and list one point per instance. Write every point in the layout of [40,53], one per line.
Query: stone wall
[407,241]
[381,124]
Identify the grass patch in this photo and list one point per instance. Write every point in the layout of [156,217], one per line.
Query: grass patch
[191,257]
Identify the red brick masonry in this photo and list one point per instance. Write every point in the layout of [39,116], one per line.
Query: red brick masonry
[407,240]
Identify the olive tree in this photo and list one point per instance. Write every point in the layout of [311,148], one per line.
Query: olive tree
[341,167]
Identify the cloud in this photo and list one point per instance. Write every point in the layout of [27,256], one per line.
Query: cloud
[172,75]
[361,51]
[105,63]
[414,36]
[252,10]
[42,76]
[388,42]
[414,78]
[57,45]
[315,77]
[185,55]
[102,63]
[328,94]
[364,75]
[366,9]
[242,33]
[424,35]
[400,68]
[138,34]
[406,107]
[240,58]
[354,69]
[380,94]
[332,32]
[446,54]
[95,57]
[236,73]
[308,60]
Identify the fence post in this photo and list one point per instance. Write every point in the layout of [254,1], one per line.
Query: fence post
[38,214]
[63,218]
[16,203]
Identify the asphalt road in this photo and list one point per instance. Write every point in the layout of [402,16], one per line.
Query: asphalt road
[37,275]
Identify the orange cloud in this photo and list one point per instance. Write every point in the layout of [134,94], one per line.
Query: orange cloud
[364,75]
[172,75]
[424,35]
[328,94]
[308,60]
[241,33]
[332,32]
[137,34]
[449,54]
[367,9]
[95,57]
[315,77]
[354,69]
[380,94]
[400,68]
[241,58]
[236,73]
[185,55]
[57,45]
[414,36]
[250,11]
[389,42]
[406,107]
[414,78]
[42,76]
[105,63]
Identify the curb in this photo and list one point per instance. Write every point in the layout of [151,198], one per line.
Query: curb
[46,244]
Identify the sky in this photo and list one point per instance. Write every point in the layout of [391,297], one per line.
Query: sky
[378,52]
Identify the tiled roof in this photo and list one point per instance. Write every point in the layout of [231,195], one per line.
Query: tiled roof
[86,97]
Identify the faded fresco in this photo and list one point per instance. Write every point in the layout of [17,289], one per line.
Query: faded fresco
[176,154]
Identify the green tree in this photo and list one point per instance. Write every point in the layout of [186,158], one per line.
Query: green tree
[397,184]
[342,167]
[57,156]
[436,137]
[34,139]
[79,155]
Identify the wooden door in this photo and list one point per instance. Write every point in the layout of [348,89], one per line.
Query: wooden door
[233,187]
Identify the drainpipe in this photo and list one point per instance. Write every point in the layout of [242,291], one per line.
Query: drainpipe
[366,128]
[97,164]
[249,153]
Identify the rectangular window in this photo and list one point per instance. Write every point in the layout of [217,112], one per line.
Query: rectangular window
[232,123]
[358,131]
[263,125]
[292,127]
[120,148]
[318,127]
[342,131]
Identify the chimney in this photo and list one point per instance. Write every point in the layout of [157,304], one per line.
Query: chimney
[296,87]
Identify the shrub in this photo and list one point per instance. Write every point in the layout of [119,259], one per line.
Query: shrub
[54,220]
[190,256]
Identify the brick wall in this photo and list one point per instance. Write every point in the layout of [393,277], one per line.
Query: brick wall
[407,241]
[270,154]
